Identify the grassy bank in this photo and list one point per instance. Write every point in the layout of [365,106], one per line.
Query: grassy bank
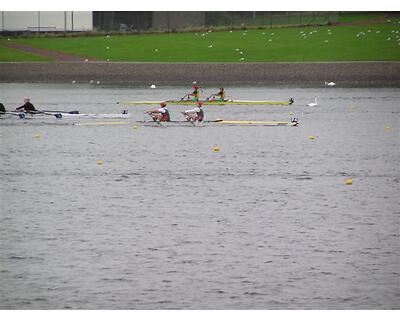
[10,55]
[378,42]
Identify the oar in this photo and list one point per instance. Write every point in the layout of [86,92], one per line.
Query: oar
[49,113]
[186,95]
[22,115]
[189,119]
[154,119]
[69,112]
[15,113]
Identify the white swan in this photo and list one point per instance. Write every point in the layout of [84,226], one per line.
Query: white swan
[331,84]
[313,104]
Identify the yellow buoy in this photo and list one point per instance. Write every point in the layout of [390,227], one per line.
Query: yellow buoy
[135,127]
[387,128]
[311,137]
[216,149]
[290,113]
[37,135]
[100,162]
[348,181]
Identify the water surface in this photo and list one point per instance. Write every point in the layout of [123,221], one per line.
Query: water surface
[166,223]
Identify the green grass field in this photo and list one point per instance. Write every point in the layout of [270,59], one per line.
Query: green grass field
[379,42]
[9,55]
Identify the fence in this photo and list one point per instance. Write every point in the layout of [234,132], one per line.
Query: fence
[178,20]
[269,19]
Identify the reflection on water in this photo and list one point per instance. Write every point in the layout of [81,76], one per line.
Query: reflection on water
[166,223]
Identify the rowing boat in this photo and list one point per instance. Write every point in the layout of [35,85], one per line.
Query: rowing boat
[101,115]
[69,115]
[165,124]
[211,102]
[292,123]
[261,123]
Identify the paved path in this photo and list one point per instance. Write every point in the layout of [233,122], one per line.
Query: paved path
[222,74]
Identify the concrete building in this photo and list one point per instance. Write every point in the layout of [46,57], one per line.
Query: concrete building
[42,21]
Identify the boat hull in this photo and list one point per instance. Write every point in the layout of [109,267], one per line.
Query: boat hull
[205,102]
[222,122]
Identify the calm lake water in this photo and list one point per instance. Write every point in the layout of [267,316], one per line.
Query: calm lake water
[166,223]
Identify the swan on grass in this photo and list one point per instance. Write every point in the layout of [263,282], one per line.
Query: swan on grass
[313,104]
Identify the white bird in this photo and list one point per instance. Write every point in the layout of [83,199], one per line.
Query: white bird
[313,104]
[331,84]
[153,86]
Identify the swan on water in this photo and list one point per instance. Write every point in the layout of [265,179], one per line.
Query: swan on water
[330,83]
[313,104]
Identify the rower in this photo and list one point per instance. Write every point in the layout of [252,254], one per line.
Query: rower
[161,114]
[2,108]
[220,96]
[195,95]
[28,107]
[196,114]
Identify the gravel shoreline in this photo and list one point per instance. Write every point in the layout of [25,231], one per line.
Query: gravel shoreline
[219,74]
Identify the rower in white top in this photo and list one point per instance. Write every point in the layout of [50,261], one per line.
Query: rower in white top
[161,114]
[196,114]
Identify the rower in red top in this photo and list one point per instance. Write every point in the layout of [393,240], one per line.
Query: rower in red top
[161,114]
[194,96]
[196,114]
